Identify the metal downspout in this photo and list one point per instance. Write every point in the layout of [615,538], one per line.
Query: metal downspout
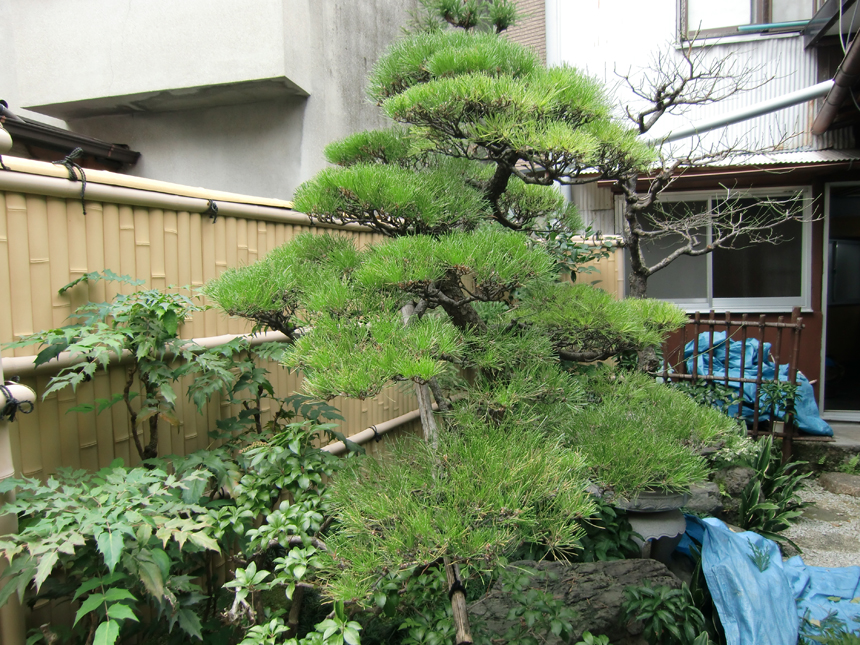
[847,74]
[765,107]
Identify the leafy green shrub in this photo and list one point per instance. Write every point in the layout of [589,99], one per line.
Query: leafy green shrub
[589,639]
[709,393]
[608,535]
[135,549]
[145,326]
[124,539]
[770,502]
[538,613]
[668,615]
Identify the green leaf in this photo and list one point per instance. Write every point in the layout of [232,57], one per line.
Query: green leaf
[160,557]
[115,594]
[107,633]
[121,612]
[204,541]
[150,576]
[50,352]
[170,322]
[92,603]
[110,543]
[190,623]
[82,407]
[380,598]
[46,565]
[92,583]
[10,587]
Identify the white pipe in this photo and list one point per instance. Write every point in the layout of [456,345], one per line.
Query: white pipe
[339,447]
[765,107]
[21,394]
[25,366]
[64,188]
[12,631]
[5,141]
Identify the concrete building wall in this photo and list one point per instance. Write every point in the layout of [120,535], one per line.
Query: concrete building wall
[228,94]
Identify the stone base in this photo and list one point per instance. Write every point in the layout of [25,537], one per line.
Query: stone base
[595,590]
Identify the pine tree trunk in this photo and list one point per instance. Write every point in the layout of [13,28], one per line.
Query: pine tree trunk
[637,285]
[452,571]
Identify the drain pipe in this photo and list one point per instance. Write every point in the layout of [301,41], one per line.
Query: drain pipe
[765,107]
[846,76]
[12,630]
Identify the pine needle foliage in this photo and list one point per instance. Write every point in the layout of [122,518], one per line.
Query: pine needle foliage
[425,57]
[664,431]
[270,292]
[392,200]
[389,146]
[486,496]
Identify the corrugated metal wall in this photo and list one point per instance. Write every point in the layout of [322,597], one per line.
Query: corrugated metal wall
[789,67]
[596,207]
[46,242]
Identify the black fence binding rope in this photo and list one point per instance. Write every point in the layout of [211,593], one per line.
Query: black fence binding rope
[376,436]
[212,210]
[71,166]
[13,406]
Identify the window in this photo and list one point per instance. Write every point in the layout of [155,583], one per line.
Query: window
[732,17]
[756,277]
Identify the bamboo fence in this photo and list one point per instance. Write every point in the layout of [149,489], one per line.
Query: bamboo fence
[46,241]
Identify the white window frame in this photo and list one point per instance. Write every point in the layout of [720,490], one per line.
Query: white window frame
[751,305]
[760,14]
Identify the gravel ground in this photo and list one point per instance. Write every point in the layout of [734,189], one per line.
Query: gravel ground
[829,531]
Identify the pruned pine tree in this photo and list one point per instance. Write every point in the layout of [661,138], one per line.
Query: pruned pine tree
[461,187]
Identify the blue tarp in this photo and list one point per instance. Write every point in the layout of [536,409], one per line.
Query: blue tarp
[766,607]
[806,409]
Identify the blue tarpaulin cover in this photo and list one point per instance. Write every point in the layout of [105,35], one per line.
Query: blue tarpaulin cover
[766,607]
[806,409]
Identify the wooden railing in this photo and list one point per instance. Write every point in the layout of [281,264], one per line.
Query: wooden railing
[785,343]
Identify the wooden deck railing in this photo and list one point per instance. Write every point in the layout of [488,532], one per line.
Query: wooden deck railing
[785,344]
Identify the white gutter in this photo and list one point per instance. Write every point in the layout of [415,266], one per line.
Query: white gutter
[765,107]
[25,366]
[5,141]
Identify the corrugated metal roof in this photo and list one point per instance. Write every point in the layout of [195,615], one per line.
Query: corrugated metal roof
[793,157]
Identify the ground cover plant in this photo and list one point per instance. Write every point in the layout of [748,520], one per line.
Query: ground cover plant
[770,502]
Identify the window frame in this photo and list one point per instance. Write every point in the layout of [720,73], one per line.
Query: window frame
[761,11]
[749,305]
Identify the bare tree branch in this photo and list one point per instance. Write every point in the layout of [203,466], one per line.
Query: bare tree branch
[678,79]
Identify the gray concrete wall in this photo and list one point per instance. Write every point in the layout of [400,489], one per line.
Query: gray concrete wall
[226,94]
